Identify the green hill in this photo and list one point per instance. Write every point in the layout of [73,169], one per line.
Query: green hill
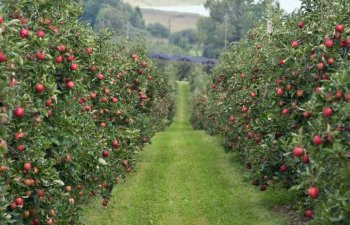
[178,21]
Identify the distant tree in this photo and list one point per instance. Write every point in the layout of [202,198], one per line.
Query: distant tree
[185,38]
[237,13]
[211,36]
[113,14]
[110,17]
[136,18]
[91,9]
[228,22]
[158,30]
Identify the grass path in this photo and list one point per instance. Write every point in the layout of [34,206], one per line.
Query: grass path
[185,178]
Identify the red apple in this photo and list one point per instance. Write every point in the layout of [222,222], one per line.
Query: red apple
[61,48]
[92,68]
[305,159]
[88,51]
[105,202]
[282,62]
[47,21]
[279,91]
[285,111]
[19,135]
[298,151]
[317,140]
[250,135]
[49,221]
[18,112]
[262,187]
[244,108]
[13,205]
[307,114]
[320,66]
[27,166]
[300,24]
[308,213]
[59,59]
[105,153]
[3,57]
[70,58]
[20,148]
[19,201]
[70,85]
[40,33]
[48,102]
[339,28]
[93,95]
[339,95]
[1,19]
[327,112]
[283,168]
[3,168]
[294,44]
[115,143]
[104,100]
[328,43]
[330,61]
[100,76]
[13,82]
[39,88]
[313,192]
[232,119]
[87,108]
[346,97]
[74,66]
[40,55]
[24,33]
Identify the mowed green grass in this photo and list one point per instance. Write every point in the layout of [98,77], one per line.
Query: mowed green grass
[185,178]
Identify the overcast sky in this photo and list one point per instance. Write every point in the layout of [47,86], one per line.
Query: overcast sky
[290,5]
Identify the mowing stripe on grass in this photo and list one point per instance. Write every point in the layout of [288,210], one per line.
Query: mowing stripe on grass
[185,178]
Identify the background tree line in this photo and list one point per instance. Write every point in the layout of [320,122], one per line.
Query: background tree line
[228,22]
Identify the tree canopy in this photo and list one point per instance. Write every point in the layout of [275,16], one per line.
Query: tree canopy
[113,14]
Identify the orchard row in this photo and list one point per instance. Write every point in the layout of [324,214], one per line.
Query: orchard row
[282,100]
[74,111]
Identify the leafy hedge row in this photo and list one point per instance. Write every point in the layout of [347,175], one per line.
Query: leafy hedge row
[282,100]
[74,111]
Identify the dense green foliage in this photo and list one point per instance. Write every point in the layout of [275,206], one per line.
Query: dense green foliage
[184,39]
[158,30]
[74,111]
[282,100]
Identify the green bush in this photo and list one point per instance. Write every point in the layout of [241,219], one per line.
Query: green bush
[158,30]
